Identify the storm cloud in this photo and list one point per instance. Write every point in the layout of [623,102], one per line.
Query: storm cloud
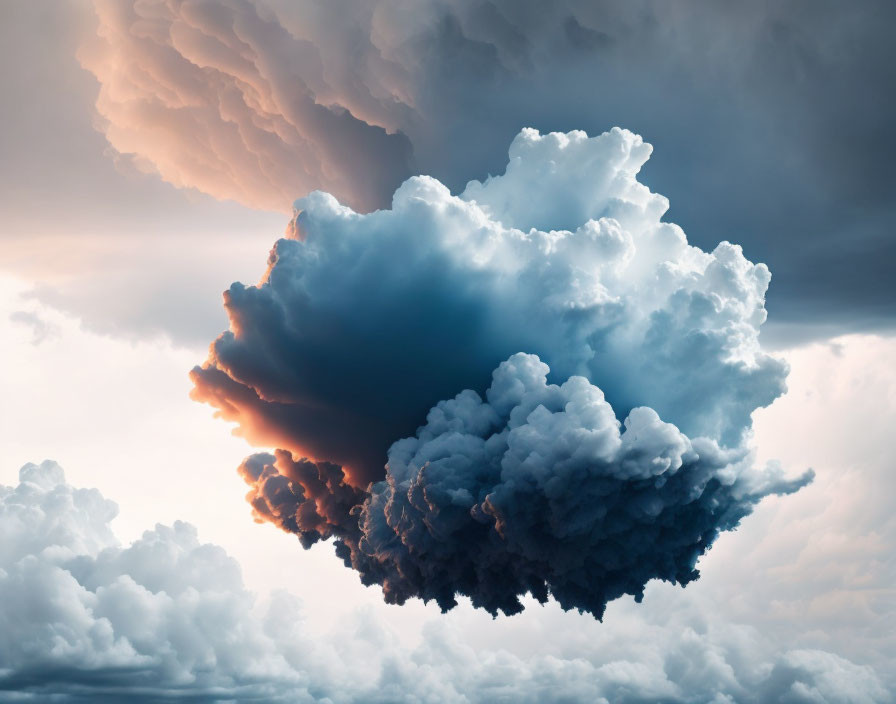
[364,323]
[263,101]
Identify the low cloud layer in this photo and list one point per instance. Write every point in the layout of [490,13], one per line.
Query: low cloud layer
[167,617]
[561,266]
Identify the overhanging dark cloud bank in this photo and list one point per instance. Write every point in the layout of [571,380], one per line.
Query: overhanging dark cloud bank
[774,118]
[622,470]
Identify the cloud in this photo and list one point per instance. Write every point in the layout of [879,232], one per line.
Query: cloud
[41,329]
[365,322]
[254,100]
[822,560]
[167,617]
[457,79]
[222,98]
[536,490]
[83,616]
[303,497]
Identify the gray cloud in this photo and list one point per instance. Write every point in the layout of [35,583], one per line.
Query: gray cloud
[41,329]
[167,618]
[222,97]
[773,120]
[773,123]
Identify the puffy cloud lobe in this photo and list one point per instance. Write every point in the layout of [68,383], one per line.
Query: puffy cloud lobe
[303,497]
[163,618]
[366,321]
[167,617]
[537,489]
[43,512]
[221,97]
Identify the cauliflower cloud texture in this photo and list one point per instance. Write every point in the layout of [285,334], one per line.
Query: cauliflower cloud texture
[624,468]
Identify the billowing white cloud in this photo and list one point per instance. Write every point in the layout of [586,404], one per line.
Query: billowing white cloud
[167,617]
[83,616]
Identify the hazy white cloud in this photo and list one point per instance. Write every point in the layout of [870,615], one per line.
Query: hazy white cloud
[41,330]
[823,560]
[167,617]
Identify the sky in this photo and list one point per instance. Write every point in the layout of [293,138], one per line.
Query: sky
[568,328]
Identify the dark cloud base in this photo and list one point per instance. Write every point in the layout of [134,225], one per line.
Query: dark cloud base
[534,491]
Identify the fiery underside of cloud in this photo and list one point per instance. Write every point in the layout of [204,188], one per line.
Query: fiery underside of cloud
[624,469]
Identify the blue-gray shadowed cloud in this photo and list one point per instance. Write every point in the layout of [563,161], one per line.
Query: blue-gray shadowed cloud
[363,323]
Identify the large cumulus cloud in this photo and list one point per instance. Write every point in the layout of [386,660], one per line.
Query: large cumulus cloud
[167,618]
[363,323]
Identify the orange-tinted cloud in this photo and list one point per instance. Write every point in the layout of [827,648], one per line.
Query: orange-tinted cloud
[306,429]
[220,97]
[310,499]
